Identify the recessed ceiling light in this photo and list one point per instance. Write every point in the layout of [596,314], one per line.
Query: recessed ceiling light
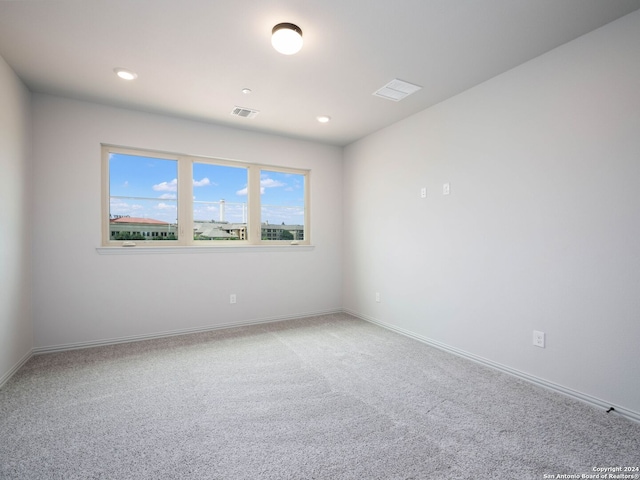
[323,118]
[125,74]
[286,38]
[246,91]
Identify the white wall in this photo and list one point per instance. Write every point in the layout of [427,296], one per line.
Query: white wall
[541,229]
[82,296]
[16,325]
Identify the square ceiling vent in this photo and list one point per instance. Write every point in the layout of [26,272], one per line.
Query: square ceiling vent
[396,90]
[244,112]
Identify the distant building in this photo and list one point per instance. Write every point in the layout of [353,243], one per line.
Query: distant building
[213,230]
[219,231]
[126,228]
[134,228]
[282,232]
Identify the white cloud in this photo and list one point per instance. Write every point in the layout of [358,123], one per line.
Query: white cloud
[117,203]
[168,196]
[270,183]
[244,191]
[171,186]
[264,184]
[120,207]
[201,183]
[165,206]
[289,215]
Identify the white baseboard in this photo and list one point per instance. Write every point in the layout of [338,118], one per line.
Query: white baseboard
[596,402]
[5,378]
[173,333]
[583,397]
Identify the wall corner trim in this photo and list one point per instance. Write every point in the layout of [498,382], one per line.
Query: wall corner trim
[13,370]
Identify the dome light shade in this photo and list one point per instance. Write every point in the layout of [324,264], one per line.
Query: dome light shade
[286,38]
[125,74]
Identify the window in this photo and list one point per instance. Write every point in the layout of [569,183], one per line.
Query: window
[143,197]
[153,199]
[282,205]
[220,202]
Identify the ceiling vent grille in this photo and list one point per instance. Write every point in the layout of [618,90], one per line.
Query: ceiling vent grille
[396,90]
[244,112]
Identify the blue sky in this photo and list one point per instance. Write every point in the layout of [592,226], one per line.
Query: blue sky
[147,187]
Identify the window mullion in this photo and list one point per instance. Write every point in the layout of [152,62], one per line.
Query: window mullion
[253,200]
[185,200]
[106,197]
[307,208]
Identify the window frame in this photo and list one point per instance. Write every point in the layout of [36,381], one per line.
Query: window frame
[185,205]
[292,171]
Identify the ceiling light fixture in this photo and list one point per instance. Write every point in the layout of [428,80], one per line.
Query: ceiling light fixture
[323,118]
[125,74]
[246,91]
[286,38]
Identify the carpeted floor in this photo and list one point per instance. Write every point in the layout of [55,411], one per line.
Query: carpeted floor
[330,397]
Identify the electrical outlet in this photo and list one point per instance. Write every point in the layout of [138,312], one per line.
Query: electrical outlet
[538,339]
[232,298]
[423,192]
[446,189]
[378,297]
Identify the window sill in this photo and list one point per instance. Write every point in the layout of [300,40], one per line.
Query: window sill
[181,249]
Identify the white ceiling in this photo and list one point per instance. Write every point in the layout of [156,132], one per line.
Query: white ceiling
[194,57]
